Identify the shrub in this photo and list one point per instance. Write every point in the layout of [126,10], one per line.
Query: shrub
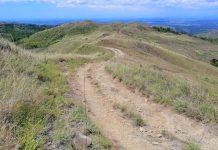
[165,29]
[214,62]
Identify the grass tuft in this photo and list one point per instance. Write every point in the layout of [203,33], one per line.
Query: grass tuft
[193,146]
[138,120]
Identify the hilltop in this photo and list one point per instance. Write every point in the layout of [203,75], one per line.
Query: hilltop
[72,33]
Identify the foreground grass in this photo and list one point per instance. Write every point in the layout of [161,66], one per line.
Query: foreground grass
[34,94]
[99,141]
[32,119]
[186,97]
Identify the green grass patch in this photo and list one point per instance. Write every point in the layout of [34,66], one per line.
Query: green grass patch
[48,37]
[193,146]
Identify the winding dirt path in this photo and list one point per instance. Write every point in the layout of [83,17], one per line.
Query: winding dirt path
[165,130]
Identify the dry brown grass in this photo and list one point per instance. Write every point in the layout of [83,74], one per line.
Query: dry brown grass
[16,85]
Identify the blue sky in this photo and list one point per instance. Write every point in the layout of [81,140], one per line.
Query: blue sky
[108,9]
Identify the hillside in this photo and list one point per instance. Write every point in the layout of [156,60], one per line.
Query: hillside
[72,34]
[15,32]
[35,99]
[131,80]
[168,51]
[51,36]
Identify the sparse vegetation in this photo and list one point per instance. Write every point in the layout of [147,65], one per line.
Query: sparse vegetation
[193,146]
[100,141]
[187,98]
[138,120]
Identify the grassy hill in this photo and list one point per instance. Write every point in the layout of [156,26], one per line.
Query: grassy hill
[51,36]
[15,32]
[169,68]
[67,37]
[175,54]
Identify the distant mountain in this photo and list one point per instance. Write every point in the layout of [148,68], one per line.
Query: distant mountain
[192,26]
[186,25]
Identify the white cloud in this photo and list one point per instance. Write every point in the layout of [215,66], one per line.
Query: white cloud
[127,3]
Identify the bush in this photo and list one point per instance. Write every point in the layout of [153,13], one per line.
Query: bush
[214,62]
[165,29]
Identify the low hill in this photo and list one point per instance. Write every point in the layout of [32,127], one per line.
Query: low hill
[51,36]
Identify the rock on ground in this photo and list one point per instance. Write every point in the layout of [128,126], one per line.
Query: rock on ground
[81,141]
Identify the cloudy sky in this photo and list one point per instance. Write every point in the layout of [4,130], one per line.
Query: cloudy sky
[109,9]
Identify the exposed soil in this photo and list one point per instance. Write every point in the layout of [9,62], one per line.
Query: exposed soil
[165,129]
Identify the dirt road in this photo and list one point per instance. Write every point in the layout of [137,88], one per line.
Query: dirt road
[165,129]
